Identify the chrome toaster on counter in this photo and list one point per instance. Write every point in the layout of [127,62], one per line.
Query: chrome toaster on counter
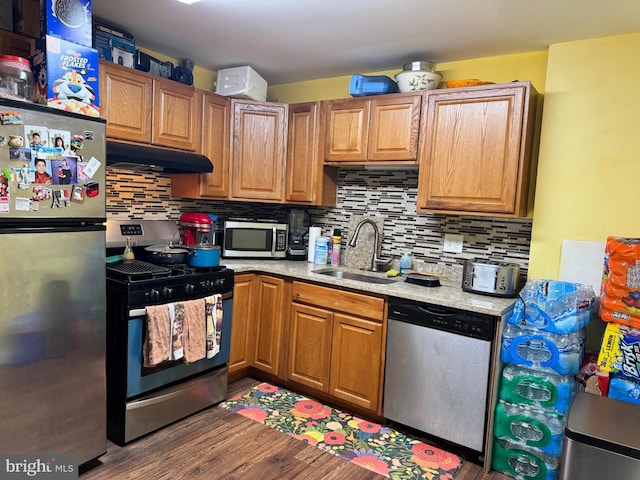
[491,278]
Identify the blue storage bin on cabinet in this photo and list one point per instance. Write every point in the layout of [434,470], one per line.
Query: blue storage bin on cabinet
[364,85]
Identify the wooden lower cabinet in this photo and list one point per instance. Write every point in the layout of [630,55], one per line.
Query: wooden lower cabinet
[268,323]
[356,361]
[332,350]
[242,315]
[310,346]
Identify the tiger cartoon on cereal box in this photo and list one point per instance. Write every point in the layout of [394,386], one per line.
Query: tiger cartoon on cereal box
[73,86]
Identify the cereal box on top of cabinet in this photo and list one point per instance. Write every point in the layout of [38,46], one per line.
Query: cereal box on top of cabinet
[67,19]
[66,76]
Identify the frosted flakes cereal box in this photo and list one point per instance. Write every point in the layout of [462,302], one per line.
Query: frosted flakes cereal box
[66,76]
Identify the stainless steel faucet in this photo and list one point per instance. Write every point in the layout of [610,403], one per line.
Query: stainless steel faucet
[375,261]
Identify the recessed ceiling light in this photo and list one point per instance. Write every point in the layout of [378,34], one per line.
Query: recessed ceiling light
[188,2]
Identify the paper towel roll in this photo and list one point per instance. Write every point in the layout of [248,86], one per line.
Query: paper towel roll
[314,233]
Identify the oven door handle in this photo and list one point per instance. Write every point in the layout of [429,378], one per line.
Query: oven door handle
[141,312]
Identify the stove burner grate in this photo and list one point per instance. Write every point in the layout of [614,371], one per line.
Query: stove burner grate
[138,268]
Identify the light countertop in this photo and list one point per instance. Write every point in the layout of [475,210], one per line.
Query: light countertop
[449,294]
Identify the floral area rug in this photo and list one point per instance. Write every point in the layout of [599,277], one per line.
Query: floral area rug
[367,444]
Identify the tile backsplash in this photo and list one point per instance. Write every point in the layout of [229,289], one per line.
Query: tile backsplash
[392,194]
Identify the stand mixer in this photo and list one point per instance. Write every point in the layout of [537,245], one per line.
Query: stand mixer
[197,228]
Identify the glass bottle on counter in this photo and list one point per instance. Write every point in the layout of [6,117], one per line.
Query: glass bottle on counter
[128,256]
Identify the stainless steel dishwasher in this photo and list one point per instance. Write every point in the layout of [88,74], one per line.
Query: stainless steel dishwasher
[437,371]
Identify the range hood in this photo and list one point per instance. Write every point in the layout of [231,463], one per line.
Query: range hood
[153,159]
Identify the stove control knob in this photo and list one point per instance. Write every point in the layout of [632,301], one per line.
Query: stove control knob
[167,292]
[189,288]
[154,295]
[219,282]
[208,285]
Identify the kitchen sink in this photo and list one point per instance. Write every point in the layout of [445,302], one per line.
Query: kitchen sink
[332,272]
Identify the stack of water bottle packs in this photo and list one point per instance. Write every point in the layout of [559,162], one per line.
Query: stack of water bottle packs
[542,350]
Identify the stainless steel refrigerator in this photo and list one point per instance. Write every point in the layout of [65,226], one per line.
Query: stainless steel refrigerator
[52,277]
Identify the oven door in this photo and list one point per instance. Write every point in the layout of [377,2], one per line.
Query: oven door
[141,379]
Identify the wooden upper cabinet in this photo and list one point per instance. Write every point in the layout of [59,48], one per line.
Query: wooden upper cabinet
[126,102]
[476,150]
[214,145]
[394,127]
[143,108]
[347,128]
[258,150]
[383,128]
[176,115]
[308,182]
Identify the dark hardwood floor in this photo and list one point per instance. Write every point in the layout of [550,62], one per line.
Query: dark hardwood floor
[218,444]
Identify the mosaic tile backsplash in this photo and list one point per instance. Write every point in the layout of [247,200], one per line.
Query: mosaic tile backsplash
[391,194]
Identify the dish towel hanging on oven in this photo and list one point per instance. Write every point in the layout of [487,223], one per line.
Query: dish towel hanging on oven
[194,330]
[157,342]
[214,324]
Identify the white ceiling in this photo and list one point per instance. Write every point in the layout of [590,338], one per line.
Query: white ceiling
[293,40]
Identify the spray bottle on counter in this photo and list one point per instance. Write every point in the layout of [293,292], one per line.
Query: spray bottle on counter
[336,239]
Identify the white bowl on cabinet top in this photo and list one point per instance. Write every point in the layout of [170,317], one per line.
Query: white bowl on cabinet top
[415,80]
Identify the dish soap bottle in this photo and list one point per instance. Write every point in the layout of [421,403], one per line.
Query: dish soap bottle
[128,256]
[405,262]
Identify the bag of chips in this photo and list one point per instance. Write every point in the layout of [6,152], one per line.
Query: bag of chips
[620,292]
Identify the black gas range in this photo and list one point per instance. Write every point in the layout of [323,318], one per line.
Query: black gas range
[142,398]
[146,283]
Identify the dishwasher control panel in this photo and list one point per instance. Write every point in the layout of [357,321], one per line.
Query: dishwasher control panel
[448,319]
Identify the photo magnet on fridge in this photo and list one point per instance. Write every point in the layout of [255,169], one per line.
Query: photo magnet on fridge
[64,171]
[78,194]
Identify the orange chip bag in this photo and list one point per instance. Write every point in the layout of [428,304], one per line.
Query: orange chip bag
[620,292]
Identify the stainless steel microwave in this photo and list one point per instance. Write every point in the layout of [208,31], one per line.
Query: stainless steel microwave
[255,239]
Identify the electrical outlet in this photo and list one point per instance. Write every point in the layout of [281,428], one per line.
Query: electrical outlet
[452,243]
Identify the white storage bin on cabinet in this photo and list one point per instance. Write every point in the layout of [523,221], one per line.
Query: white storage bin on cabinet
[241,82]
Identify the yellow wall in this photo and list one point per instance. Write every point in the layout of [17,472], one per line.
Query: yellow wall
[524,66]
[588,165]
